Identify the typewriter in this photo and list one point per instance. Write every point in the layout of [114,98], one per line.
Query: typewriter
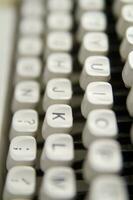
[66,100]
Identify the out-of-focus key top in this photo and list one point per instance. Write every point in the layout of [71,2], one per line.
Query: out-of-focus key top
[20,183]
[7,33]
[108,187]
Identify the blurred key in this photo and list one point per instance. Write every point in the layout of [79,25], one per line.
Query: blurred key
[28,69]
[20,183]
[125,20]
[61,181]
[58,42]
[109,187]
[94,43]
[89,5]
[59,21]
[127,73]
[32,8]
[30,46]
[91,22]
[31,26]
[58,151]
[58,65]
[26,95]
[129,102]
[127,43]
[104,157]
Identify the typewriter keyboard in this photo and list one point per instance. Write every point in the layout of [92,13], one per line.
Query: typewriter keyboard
[70,134]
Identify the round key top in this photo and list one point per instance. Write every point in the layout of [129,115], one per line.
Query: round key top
[94,43]
[22,151]
[61,181]
[59,21]
[31,26]
[58,65]
[96,68]
[20,183]
[32,8]
[109,187]
[89,5]
[58,119]
[58,42]
[98,95]
[125,20]
[91,22]
[26,95]
[30,46]
[28,69]
[58,91]
[58,151]
[100,124]
[127,73]
[24,123]
[104,157]
[127,44]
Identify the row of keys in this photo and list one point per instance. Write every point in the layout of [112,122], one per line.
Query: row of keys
[58,149]
[58,65]
[61,181]
[22,155]
[125,30]
[104,155]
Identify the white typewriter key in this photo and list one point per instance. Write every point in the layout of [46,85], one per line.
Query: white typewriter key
[24,123]
[30,46]
[98,95]
[31,26]
[104,157]
[89,5]
[58,91]
[58,65]
[28,69]
[125,20]
[26,95]
[22,151]
[91,22]
[109,187]
[127,73]
[96,68]
[100,124]
[58,119]
[59,183]
[59,5]
[127,44]
[20,183]
[94,43]
[32,8]
[58,42]
[118,5]
[58,151]
[130,102]
[59,21]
